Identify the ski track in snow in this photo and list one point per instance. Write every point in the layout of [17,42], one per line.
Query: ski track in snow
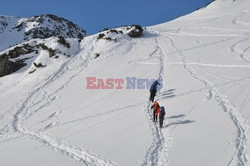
[151,156]
[78,154]
[210,65]
[157,153]
[236,21]
[239,51]
[233,113]
[100,114]
[23,112]
[161,142]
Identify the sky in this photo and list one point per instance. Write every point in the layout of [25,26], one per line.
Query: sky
[95,15]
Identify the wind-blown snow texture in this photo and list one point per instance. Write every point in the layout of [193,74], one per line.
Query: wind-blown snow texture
[50,118]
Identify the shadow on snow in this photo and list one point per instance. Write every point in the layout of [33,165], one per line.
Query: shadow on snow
[179,122]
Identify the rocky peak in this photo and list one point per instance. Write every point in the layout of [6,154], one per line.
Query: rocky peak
[48,25]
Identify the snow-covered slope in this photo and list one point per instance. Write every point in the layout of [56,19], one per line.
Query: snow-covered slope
[49,117]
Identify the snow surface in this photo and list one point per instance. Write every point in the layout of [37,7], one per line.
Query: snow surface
[50,118]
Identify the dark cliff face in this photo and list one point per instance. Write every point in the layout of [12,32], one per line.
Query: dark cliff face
[7,66]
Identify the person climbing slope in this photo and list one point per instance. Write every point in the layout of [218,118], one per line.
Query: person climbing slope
[155,107]
[153,90]
[161,112]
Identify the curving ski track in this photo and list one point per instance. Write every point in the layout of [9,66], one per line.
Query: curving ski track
[86,157]
[242,127]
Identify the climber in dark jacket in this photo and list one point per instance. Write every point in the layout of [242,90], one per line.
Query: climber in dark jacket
[161,112]
[153,90]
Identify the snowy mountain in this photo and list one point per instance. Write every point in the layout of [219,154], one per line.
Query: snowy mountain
[14,30]
[85,102]
[21,40]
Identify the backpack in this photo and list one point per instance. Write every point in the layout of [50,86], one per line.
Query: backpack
[162,110]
